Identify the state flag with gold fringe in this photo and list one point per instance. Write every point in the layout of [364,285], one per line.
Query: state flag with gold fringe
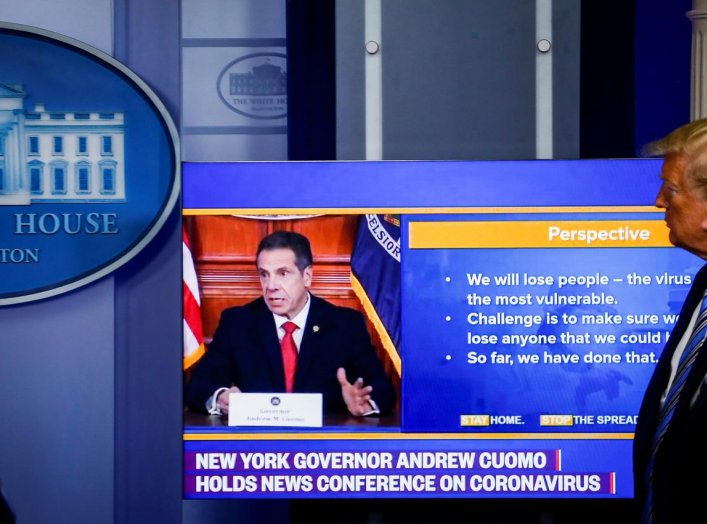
[375,277]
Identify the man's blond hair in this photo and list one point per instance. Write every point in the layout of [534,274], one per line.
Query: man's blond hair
[689,142]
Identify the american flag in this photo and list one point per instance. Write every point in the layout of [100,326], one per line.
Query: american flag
[193,333]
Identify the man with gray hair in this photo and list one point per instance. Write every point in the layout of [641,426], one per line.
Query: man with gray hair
[670,443]
[290,340]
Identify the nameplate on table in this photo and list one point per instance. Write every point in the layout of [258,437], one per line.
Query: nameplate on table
[275,409]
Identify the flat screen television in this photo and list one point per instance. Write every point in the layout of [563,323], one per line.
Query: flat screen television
[520,307]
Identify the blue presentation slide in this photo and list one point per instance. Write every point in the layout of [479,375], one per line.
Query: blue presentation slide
[553,322]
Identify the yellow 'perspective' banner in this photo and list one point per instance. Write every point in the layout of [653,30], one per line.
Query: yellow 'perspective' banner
[538,234]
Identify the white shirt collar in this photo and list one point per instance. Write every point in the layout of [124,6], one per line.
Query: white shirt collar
[300,318]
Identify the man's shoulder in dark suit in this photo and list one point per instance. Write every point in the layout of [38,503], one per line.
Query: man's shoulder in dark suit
[321,306]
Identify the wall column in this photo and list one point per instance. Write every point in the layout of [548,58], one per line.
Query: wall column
[698,83]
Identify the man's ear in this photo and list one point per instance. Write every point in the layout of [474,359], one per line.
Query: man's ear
[703,207]
[307,275]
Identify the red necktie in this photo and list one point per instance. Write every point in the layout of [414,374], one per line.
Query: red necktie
[289,354]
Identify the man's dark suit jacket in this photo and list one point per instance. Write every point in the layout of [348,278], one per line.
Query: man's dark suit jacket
[680,470]
[245,352]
